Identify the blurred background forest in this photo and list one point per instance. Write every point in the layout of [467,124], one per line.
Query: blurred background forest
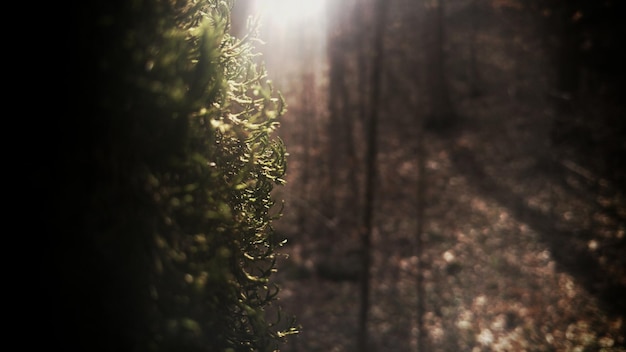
[469,154]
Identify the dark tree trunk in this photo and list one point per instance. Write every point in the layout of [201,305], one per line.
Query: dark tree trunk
[474,73]
[567,54]
[371,170]
[441,115]
[419,238]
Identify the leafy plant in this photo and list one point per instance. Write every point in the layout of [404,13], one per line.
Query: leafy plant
[216,252]
[177,229]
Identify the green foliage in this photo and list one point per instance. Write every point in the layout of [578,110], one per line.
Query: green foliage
[178,123]
[217,244]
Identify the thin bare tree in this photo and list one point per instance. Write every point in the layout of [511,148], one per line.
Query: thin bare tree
[371,169]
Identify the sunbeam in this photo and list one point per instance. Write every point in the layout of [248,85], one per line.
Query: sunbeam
[290,12]
[294,36]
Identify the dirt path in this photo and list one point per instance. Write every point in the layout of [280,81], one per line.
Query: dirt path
[524,242]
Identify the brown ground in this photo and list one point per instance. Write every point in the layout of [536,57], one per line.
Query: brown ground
[524,238]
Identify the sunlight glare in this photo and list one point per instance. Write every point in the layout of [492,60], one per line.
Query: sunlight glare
[286,11]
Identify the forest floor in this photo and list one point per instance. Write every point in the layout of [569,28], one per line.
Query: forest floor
[524,238]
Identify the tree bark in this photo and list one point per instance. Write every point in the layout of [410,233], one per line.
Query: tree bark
[371,171]
[441,115]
